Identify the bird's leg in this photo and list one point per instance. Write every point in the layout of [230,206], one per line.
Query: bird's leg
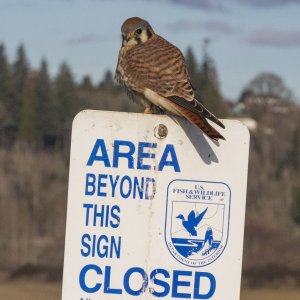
[147,110]
[153,109]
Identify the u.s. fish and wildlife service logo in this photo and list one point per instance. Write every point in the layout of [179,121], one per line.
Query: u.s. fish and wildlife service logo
[197,221]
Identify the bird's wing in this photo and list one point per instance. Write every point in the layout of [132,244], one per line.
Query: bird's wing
[200,217]
[191,217]
[158,65]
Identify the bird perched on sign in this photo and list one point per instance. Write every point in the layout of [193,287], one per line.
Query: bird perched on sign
[154,70]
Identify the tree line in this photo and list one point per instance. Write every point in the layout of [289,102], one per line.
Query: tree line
[34,108]
[38,110]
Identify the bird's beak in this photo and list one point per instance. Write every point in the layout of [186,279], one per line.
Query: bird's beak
[128,36]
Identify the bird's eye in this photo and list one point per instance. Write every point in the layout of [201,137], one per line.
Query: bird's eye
[138,31]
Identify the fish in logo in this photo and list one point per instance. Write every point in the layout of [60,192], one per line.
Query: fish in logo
[196,231]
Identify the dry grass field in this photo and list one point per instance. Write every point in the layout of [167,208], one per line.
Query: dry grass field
[269,294]
[22,290]
[15,290]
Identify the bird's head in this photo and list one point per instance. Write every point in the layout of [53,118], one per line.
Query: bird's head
[181,217]
[136,31]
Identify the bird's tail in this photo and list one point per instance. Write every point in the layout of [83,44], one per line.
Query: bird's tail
[197,114]
[200,121]
[207,114]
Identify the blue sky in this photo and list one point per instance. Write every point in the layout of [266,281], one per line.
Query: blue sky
[247,36]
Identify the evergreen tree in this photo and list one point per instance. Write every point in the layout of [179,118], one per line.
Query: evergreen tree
[20,72]
[209,85]
[192,66]
[204,78]
[28,130]
[44,104]
[86,84]
[5,90]
[108,80]
[20,69]
[66,101]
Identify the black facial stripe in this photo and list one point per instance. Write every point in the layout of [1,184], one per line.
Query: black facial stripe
[138,39]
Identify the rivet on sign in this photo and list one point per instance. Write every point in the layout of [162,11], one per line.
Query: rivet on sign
[161,131]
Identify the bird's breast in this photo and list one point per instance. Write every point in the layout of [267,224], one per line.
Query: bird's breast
[121,73]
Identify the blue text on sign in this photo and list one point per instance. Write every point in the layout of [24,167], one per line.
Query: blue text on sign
[159,283]
[137,157]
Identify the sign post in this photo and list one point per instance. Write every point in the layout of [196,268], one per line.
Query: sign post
[155,209]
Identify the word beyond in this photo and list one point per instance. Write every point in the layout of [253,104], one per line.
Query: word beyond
[103,185]
[142,158]
[159,283]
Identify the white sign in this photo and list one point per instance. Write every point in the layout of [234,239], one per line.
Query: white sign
[155,209]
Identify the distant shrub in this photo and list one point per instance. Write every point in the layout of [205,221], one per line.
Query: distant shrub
[295,208]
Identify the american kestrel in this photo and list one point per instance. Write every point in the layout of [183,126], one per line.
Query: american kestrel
[154,70]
